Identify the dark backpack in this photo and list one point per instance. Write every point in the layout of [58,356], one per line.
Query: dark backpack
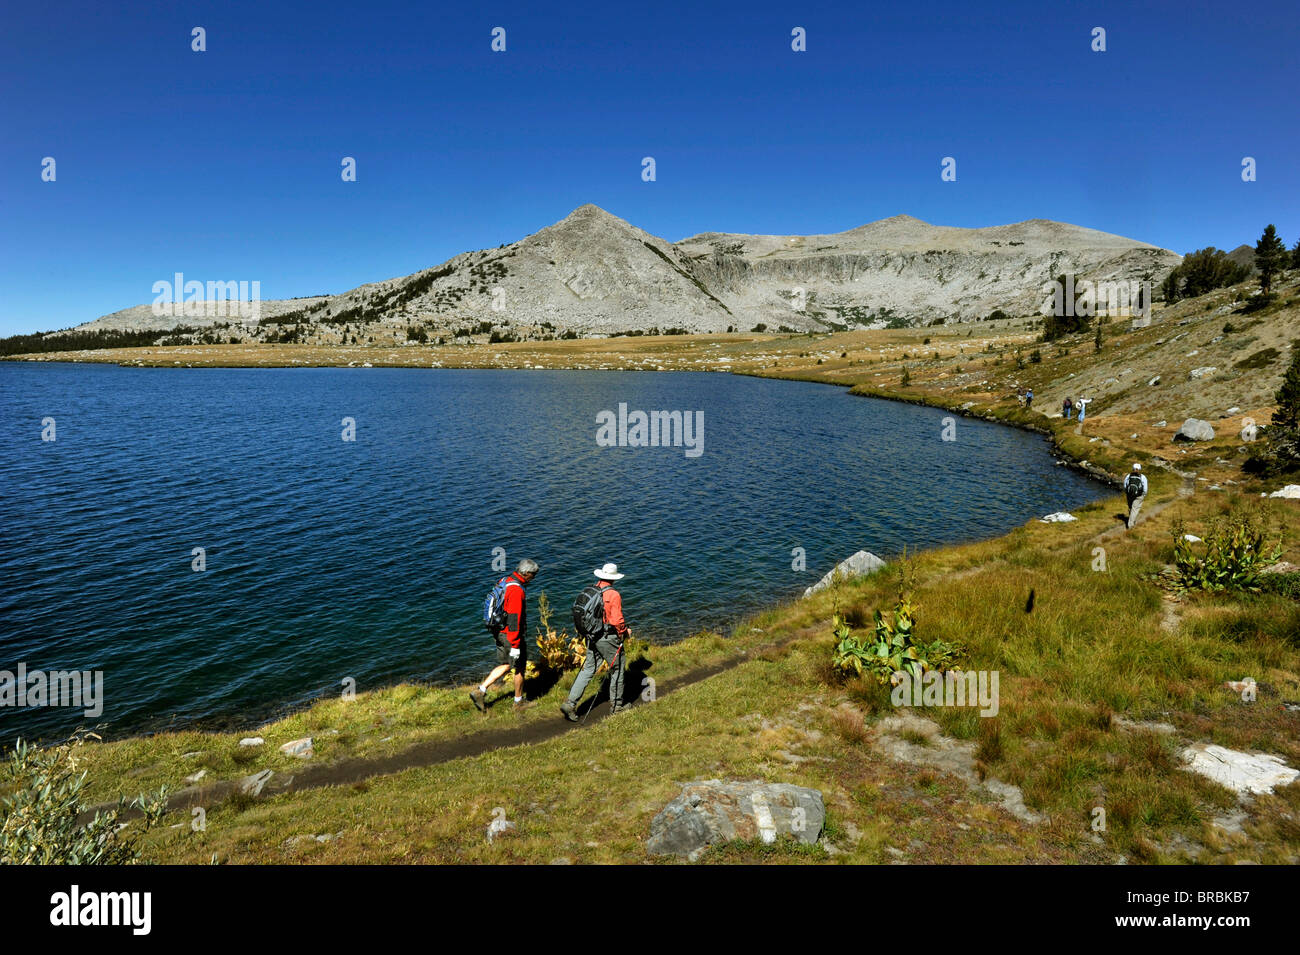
[589,612]
[1133,487]
[494,607]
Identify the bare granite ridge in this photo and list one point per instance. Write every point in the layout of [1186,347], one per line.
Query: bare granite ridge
[593,274]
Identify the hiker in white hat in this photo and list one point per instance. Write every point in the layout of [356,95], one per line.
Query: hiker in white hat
[598,618]
[1135,491]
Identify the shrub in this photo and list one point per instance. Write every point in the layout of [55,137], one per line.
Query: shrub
[892,647]
[1236,552]
[44,794]
[557,649]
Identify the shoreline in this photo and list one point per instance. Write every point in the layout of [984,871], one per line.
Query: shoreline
[276,712]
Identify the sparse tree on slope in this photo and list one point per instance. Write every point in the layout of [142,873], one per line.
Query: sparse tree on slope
[1270,258]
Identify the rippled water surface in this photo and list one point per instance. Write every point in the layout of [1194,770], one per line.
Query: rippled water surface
[369,559]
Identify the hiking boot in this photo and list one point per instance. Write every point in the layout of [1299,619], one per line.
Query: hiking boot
[619,708]
[479,699]
[570,711]
[524,705]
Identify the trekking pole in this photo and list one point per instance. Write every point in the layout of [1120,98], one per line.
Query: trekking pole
[612,664]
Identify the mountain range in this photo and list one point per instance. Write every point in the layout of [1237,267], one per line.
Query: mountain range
[594,274]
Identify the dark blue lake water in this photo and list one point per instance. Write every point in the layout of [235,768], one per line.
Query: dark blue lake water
[369,559]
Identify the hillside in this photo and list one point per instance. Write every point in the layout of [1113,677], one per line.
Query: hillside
[593,274]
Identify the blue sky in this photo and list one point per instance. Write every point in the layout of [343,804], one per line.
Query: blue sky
[225,165]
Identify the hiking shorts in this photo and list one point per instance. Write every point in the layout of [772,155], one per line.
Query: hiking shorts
[503,652]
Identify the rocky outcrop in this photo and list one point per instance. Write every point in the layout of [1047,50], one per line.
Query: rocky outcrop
[861,563]
[1243,773]
[713,811]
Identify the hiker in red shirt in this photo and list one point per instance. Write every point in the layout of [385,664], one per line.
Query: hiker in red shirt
[604,629]
[512,650]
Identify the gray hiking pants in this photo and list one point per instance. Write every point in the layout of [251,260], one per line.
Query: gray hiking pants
[608,649]
[1133,508]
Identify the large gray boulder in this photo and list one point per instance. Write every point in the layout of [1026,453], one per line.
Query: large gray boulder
[863,562]
[1194,429]
[713,811]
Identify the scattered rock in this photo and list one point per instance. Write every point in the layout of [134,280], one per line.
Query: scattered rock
[714,811]
[253,785]
[1290,491]
[302,748]
[1058,517]
[1232,822]
[1194,429]
[863,562]
[946,754]
[1241,686]
[1231,411]
[1281,567]
[195,777]
[191,754]
[251,741]
[1205,372]
[1161,424]
[561,860]
[1191,538]
[1241,772]
[1154,381]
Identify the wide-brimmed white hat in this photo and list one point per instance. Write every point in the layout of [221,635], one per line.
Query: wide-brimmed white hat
[608,572]
[1137,467]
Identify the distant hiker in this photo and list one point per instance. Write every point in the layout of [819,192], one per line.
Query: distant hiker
[1067,407]
[1020,397]
[1082,405]
[1135,491]
[505,614]
[1029,399]
[598,617]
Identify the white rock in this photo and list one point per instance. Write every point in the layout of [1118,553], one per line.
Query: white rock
[1058,517]
[1240,772]
[1191,538]
[251,741]
[252,785]
[301,748]
[1154,381]
[863,562]
[195,777]
[1203,372]
[1290,491]
[1233,410]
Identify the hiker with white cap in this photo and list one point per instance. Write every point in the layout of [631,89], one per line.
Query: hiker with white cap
[598,618]
[1135,491]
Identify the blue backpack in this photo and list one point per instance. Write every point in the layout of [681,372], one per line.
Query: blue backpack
[494,607]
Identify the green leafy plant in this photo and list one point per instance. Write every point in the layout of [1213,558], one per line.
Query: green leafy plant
[891,647]
[1235,553]
[43,796]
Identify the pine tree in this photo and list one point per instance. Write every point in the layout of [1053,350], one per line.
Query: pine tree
[1283,435]
[1096,342]
[1270,258]
[1295,255]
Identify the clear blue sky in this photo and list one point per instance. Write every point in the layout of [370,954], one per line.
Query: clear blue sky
[225,164]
